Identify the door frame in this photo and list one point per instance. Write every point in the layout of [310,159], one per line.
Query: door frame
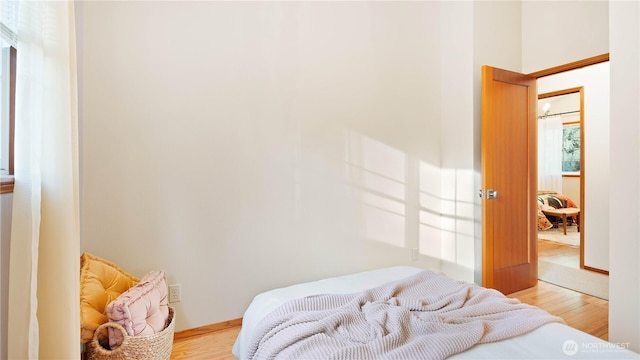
[560,69]
[571,66]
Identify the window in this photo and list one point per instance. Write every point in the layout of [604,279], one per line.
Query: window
[8,54]
[7,107]
[571,149]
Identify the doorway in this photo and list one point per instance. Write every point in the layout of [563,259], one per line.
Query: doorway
[589,113]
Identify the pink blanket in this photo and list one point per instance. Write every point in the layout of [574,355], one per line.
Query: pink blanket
[425,316]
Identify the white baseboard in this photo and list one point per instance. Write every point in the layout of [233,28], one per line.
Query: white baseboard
[584,281]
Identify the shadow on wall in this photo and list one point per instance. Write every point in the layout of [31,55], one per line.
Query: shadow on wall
[411,204]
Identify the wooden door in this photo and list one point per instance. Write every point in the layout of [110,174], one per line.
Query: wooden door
[509,163]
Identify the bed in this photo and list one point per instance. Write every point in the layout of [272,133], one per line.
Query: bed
[273,314]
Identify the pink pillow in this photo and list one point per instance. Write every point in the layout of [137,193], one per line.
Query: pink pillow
[141,310]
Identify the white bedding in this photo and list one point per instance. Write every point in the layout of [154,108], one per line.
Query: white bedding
[551,341]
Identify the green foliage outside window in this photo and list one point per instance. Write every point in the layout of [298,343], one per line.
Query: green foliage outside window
[571,149]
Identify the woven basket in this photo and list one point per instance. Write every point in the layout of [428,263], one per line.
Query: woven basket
[153,347]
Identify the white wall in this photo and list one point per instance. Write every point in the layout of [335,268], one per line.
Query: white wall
[624,283]
[595,210]
[257,145]
[246,140]
[560,32]
[571,188]
[456,133]
[246,146]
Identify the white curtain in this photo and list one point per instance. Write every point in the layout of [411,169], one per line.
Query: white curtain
[550,154]
[44,318]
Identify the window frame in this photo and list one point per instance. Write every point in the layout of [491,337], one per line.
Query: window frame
[568,125]
[7,180]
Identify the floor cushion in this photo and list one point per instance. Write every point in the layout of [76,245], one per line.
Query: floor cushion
[101,282]
[141,310]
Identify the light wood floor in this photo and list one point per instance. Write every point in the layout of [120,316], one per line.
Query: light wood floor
[583,312]
[586,313]
[559,253]
[211,346]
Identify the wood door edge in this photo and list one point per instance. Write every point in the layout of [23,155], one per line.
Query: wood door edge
[600,271]
[571,66]
[487,244]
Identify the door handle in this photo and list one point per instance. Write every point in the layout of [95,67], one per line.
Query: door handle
[492,194]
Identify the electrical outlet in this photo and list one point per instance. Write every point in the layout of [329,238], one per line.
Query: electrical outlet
[415,253]
[174,293]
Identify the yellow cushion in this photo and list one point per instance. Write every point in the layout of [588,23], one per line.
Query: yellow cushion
[101,282]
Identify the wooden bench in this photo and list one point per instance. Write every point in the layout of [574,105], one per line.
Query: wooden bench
[564,213]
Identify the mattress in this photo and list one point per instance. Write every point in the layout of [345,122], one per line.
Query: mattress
[550,341]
